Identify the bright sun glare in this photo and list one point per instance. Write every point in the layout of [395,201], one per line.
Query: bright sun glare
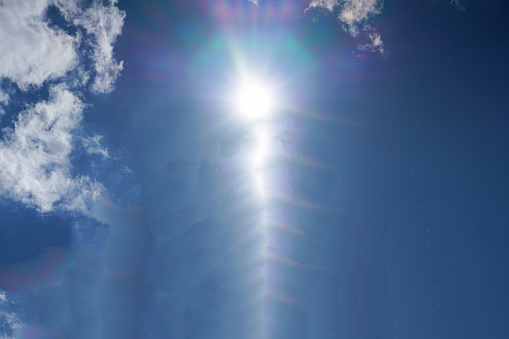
[254,99]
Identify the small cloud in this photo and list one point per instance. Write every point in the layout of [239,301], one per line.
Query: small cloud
[9,321]
[375,45]
[327,4]
[457,4]
[104,24]
[4,100]
[93,146]
[354,14]
[4,97]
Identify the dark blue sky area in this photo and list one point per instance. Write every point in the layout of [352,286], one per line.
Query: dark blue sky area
[418,144]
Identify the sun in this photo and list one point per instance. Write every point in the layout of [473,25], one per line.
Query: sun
[253,99]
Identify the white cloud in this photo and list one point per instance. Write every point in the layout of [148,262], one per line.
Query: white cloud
[4,100]
[93,146]
[104,24]
[34,156]
[354,12]
[32,52]
[327,4]
[375,45]
[354,15]
[10,324]
[9,321]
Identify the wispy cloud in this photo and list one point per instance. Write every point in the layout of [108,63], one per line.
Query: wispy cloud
[10,324]
[375,45]
[104,24]
[34,154]
[457,4]
[354,15]
[93,146]
[32,52]
[9,321]
[355,12]
[327,4]
[4,100]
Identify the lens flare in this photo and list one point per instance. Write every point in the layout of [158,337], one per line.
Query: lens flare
[254,99]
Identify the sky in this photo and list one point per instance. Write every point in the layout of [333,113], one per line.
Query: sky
[254,169]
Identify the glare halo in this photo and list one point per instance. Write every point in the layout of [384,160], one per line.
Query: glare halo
[254,99]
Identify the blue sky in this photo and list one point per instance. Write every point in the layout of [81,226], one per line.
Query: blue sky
[253,169]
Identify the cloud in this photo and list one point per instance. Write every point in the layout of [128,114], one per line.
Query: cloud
[32,51]
[34,156]
[9,324]
[37,51]
[375,45]
[104,24]
[457,4]
[4,100]
[354,14]
[9,321]
[41,51]
[93,146]
[327,4]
